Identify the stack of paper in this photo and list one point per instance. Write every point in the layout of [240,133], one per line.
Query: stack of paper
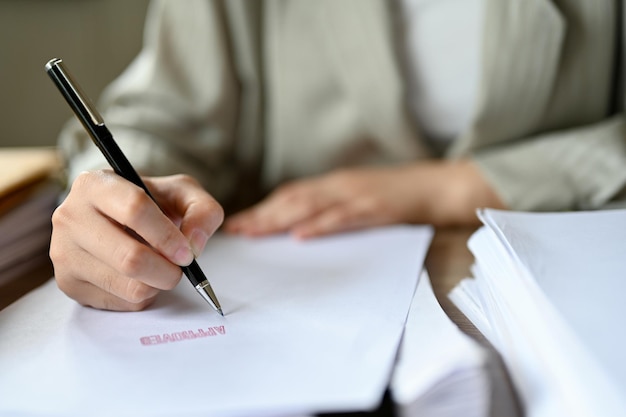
[28,195]
[548,292]
[441,371]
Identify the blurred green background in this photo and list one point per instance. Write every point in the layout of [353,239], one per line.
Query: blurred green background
[96,38]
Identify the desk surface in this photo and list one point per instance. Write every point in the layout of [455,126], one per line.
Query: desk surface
[447,262]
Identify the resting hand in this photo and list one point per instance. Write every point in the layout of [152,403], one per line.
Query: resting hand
[438,193]
[113,248]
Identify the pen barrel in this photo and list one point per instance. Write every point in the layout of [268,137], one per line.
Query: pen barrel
[194,273]
[93,123]
[103,139]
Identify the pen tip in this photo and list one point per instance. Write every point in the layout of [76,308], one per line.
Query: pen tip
[219,310]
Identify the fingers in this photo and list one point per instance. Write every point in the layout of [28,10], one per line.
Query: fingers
[113,248]
[335,202]
[312,221]
[129,257]
[131,207]
[309,215]
[92,296]
[108,290]
[281,210]
[343,217]
[85,278]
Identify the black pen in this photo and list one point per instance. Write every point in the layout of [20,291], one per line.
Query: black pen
[94,124]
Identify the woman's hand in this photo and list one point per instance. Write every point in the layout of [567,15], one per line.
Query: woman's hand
[113,248]
[439,193]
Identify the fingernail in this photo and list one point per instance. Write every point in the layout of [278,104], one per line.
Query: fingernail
[183,256]
[198,241]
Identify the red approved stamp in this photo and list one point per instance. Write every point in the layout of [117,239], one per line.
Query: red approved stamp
[159,339]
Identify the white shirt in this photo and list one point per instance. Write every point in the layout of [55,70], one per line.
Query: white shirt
[443,43]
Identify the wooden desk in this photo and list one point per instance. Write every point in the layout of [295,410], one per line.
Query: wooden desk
[447,262]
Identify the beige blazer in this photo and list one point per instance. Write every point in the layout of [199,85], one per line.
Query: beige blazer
[247,94]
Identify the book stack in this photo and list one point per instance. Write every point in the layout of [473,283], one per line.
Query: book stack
[548,292]
[29,190]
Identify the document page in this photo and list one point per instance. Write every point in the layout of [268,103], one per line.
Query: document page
[309,326]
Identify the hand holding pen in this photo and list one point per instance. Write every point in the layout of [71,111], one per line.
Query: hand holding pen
[96,260]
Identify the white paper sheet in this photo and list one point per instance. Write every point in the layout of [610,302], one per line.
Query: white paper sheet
[309,327]
[440,371]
